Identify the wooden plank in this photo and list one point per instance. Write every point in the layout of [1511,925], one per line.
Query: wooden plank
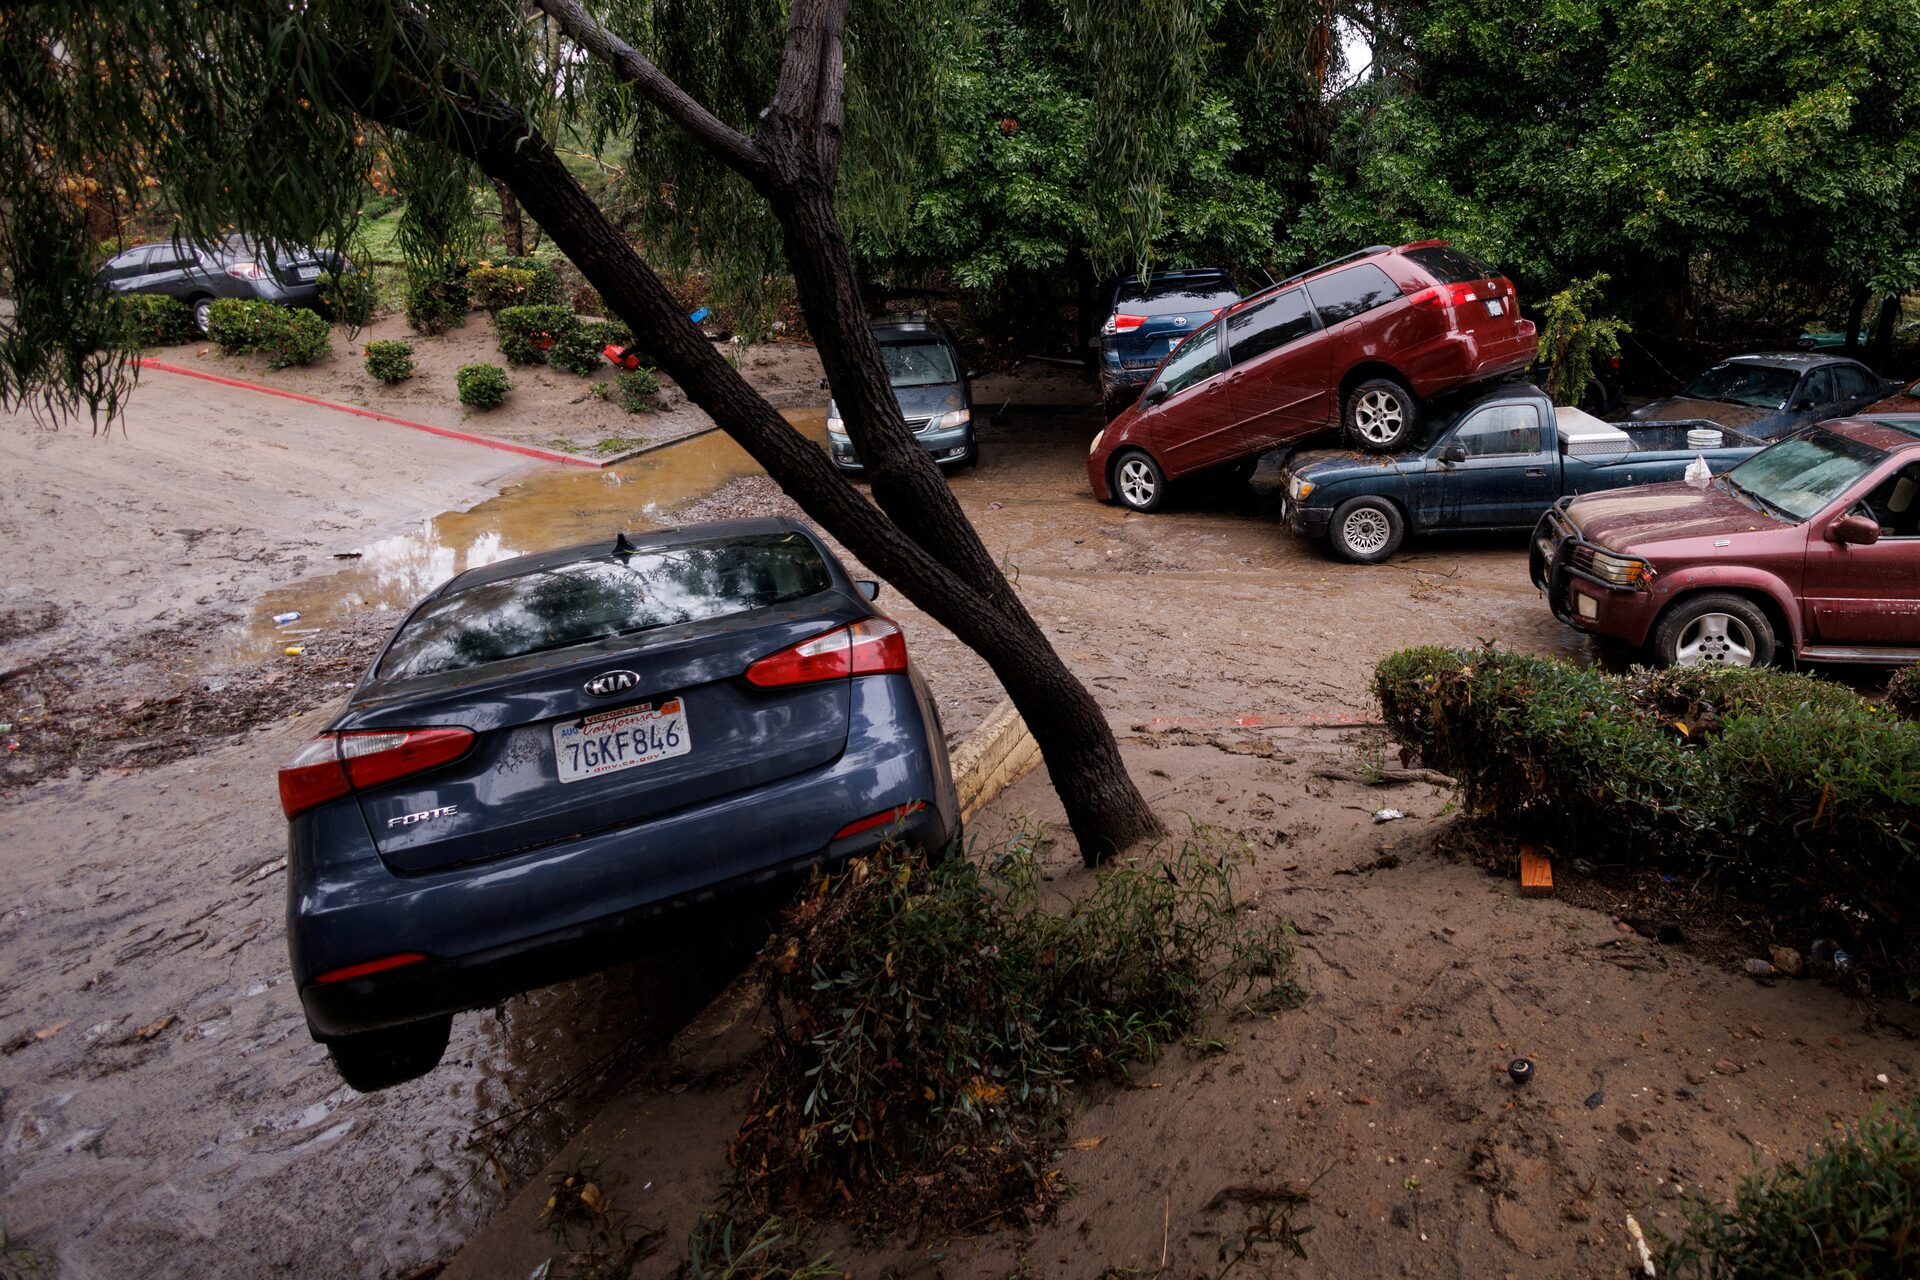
[1536,873]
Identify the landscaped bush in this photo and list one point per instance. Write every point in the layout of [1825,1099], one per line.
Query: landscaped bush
[1853,1209]
[526,333]
[391,361]
[575,350]
[287,335]
[933,1018]
[349,297]
[482,386]
[1903,693]
[436,300]
[1799,787]
[634,389]
[156,320]
[514,282]
[604,332]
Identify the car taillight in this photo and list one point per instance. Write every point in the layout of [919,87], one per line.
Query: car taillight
[869,647]
[246,270]
[335,764]
[884,818]
[399,960]
[1440,297]
[1125,324]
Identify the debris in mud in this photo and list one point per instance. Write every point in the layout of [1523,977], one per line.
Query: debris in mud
[1385,862]
[1258,1194]
[1520,1070]
[1387,815]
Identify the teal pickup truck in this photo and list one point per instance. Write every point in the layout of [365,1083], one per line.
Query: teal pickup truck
[1495,459]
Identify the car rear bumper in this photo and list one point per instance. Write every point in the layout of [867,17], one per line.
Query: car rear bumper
[506,925]
[1459,359]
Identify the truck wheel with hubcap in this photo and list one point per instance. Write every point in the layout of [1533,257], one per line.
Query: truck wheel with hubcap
[372,1060]
[1381,414]
[1138,481]
[1713,630]
[1366,530]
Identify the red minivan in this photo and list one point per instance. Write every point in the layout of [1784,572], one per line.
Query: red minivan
[1360,340]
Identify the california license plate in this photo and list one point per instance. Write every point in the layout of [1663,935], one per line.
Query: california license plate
[307,273]
[625,738]
[1496,307]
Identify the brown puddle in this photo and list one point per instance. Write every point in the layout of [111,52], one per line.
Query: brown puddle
[545,510]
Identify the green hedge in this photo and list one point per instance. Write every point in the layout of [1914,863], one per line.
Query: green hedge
[482,386]
[514,282]
[155,320]
[1903,693]
[436,300]
[390,362]
[527,333]
[634,389]
[349,297]
[575,350]
[287,335]
[1852,1209]
[1798,785]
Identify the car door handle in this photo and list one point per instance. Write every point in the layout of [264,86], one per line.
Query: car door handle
[1536,471]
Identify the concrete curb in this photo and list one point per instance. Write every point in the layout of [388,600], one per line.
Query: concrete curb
[525,450]
[994,756]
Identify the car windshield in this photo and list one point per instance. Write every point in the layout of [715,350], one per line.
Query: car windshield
[1758,385]
[918,364]
[618,595]
[1173,297]
[1801,476]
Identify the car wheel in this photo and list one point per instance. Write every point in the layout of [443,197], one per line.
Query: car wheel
[1366,530]
[202,314]
[1138,481]
[1713,630]
[1381,415]
[375,1060]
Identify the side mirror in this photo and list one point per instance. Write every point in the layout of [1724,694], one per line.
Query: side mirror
[1154,395]
[1855,529]
[971,374]
[1453,453]
[871,589]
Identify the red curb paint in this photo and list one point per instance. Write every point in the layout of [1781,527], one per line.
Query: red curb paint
[525,450]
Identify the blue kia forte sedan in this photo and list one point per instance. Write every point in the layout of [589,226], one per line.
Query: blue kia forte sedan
[556,758]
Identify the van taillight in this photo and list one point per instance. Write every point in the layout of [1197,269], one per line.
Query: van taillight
[335,764]
[1440,297]
[869,647]
[1125,324]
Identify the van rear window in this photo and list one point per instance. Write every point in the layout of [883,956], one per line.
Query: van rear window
[1170,297]
[612,595]
[1450,266]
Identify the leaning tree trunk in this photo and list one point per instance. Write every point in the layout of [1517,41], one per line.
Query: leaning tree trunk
[1880,346]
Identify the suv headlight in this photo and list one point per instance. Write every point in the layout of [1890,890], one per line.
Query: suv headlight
[948,421]
[1621,571]
[1298,488]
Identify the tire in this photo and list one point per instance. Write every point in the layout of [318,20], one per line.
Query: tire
[1714,629]
[1138,481]
[1366,530]
[202,312]
[375,1060]
[1380,415]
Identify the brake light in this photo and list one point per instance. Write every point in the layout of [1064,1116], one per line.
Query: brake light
[336,764]
[1125,324]
[246,270]
[384,963]
[885,817]
[1440,297]
[869,647]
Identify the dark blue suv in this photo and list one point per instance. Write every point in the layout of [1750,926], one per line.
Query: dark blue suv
[1148,320]
[557,757]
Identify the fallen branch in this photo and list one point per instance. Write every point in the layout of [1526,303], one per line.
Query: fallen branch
[1386,777]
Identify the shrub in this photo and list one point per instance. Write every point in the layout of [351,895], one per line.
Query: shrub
[604,332]
[492,288]
[482,386]
[1853,1209]
[633,389]
[436,300]
[526,333]
[390,362]
[288,335]
[1903,693]
[156,320]
[575,351]
[349,297]
[934,1017]
[1798,786]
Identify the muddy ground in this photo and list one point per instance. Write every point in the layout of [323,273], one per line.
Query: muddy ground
[163,1112]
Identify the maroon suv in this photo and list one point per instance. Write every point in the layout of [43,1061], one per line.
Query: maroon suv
[1812,546]
[1360,340]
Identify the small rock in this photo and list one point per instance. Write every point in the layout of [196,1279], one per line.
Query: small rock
[1696,1076]
[1727,1066]
[1789,961]
[1623,926]
[1595,1098]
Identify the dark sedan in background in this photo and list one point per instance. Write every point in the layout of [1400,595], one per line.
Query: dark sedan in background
[933,387]
[1145,321]
[557,756]
[1771,395]
[236,267]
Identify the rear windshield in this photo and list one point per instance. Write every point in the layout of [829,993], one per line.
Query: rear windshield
[918,364]
[1450,266]
[1171,297]
[607,596]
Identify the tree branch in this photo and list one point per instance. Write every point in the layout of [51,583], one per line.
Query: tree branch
[729,144]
